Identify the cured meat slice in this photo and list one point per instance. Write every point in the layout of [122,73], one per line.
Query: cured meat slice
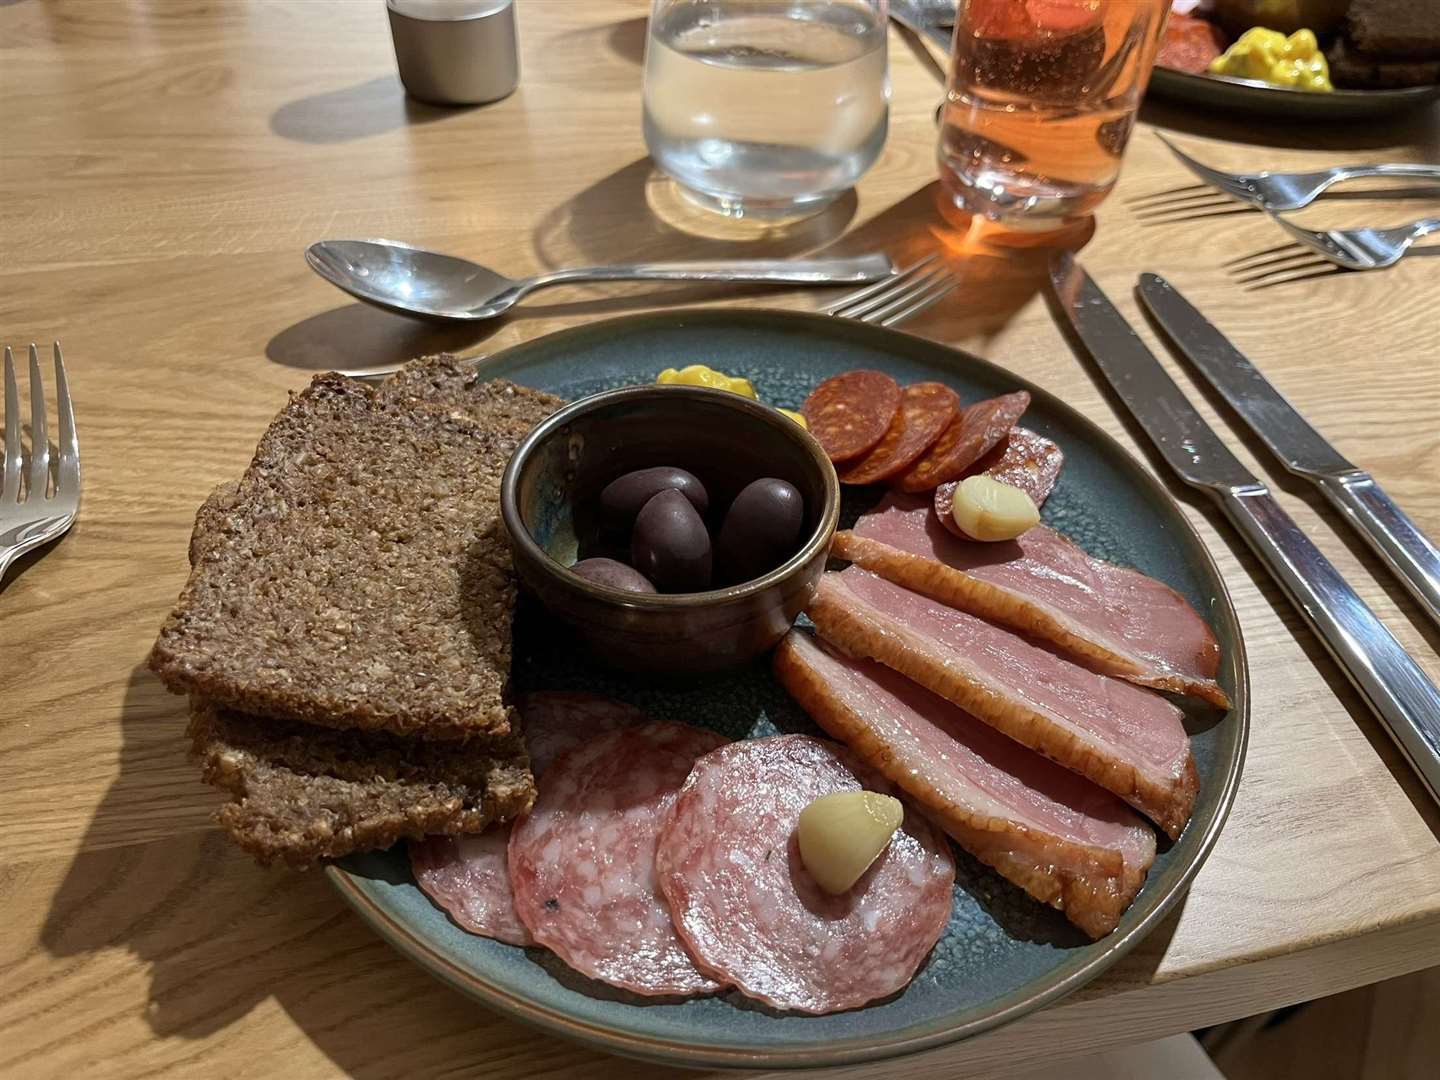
[469,876]
[1112,618]
[1063,840]
[1189,44]
[555,721]
[926,409]
[582,863]
[1024,460]
[1125,738]
[848,414]
[970,436]
[729,865]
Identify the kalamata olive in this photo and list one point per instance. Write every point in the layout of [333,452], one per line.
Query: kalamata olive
[621,499]
[613,574]
[760,529]
[670,545]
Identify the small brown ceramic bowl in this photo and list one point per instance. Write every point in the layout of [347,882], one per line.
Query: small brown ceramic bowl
[550,501]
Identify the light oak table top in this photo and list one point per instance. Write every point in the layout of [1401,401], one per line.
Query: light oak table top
[162,166]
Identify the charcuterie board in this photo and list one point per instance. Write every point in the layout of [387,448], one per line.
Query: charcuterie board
[1000,955]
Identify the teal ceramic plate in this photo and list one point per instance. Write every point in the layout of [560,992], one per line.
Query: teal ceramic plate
[1002,955]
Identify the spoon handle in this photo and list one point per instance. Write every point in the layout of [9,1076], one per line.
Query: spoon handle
[844,271]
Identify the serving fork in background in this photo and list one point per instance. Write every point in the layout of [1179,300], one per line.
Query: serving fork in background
[33,509]
[1348,249]
[1276,193]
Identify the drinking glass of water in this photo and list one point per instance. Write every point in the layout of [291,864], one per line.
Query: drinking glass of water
[766,108]
[1041,100]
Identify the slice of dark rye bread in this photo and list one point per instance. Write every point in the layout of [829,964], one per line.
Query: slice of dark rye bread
[1385,31]
[302,793]
[357,575]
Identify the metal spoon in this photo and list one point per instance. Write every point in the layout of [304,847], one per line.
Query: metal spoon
[418,282]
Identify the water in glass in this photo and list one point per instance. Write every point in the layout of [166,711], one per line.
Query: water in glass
[765,108]
[1041,101]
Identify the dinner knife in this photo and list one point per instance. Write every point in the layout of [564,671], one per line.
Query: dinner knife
[1392,684]
[1304,451]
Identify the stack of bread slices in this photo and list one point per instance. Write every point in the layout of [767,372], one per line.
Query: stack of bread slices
[344,635]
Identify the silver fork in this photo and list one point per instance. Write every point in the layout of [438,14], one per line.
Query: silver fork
[1280,192]
[899,297]
[1335,250]
[902,295]
[40,513]
[1362,249]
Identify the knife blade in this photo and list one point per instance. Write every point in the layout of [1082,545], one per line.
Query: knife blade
[1409,553]
[1397,691]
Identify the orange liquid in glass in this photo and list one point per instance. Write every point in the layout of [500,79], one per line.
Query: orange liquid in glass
[1042,97]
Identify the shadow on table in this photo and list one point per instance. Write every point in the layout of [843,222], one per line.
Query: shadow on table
[219,936]
[1416,127]
[996,273]
[354,112]
[601,225]
[361,336]
[625,38]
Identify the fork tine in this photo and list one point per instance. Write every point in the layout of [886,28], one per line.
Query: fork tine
[1333,246]
[903,297]
[1225,182]
[39,437]
[840,307]
[874,308]
[10,490]
[67,478]
[942,290]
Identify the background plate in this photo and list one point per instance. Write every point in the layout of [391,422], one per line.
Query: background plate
[1002,954]
[1247,95]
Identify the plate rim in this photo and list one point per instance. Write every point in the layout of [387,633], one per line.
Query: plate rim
[868,1048]
[1188,87]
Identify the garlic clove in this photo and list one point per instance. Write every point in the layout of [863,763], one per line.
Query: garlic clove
[841,834]
[986,509]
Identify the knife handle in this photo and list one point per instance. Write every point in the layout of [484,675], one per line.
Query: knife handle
[1393,685]
[1389,530]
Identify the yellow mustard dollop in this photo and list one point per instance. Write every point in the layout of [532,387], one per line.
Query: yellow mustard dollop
[1270,56]
[793,415]
[700,375]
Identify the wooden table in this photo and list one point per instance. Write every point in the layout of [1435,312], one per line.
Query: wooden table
[162,166]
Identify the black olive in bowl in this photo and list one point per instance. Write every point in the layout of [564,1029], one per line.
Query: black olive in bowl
[550,502]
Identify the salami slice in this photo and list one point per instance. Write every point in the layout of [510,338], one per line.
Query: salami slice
[555,721]
[582,864]
[970,436]
[729,865]
[469,876]
[1025,460]
[926,410]
[848,414]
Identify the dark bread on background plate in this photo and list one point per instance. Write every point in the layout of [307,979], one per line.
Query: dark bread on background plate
[345,633]
[1388,44]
